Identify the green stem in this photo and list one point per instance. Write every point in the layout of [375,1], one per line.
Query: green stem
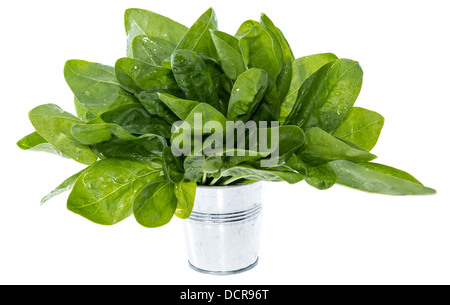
[214,181]
[230,180]
[204,178]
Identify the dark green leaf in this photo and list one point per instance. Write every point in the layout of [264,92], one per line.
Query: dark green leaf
[198,38]
[155,106]
[193,77]
[137,76]
[172,166]
[180,107]
[229,54]
[327,96]
[302,68]
[321,146]
[247,93]
[260,51]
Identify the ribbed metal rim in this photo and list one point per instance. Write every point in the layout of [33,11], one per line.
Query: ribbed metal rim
[224,272]
[226,217]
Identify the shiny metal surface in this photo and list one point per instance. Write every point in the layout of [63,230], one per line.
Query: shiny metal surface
[222,234]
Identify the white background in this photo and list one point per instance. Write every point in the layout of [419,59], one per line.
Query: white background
[338,236]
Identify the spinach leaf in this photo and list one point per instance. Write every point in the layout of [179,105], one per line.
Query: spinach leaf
[155,106]
[172,166]
[136,76]
[286,57]
[105,192]
[327,96]
[151,50]
[193,166]
[280,173]
[155,204]
[320,146]
[260,51]
[35,142]
[302,68]
[376,178]
[180,107]
[198,38]
[95,86]
[82,112]
[144,149]
[54,125]
[245,27]
[228,54]
[247,93]
[136,120]
[361,127]
[269,108]
[64,186]
[321,177]
[143,22]
[193,77]
[185,193]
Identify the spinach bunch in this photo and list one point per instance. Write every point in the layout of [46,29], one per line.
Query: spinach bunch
[123,127]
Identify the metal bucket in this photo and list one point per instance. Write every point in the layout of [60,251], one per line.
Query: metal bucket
[223,230]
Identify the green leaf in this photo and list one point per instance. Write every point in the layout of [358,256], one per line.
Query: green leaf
[198,38]
[82,112]
[192,75]
[151,50]
[180,107]
[204,114]
[172,166]
[142,22]
[136,76]
[269,108]
[377,179]
[361,127]
[286,57]
[321,177]
[105,192]
[280,173]
[327,96]
[144,149]
[95,86]
[260,51]
[302,68]
[247,93]
[35,142]
[245,27]
[155,106]
[320,146]
[229,54]
[64,186]
[54,125]
[193,166]
[185,193]
[155,204]
[136,120]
